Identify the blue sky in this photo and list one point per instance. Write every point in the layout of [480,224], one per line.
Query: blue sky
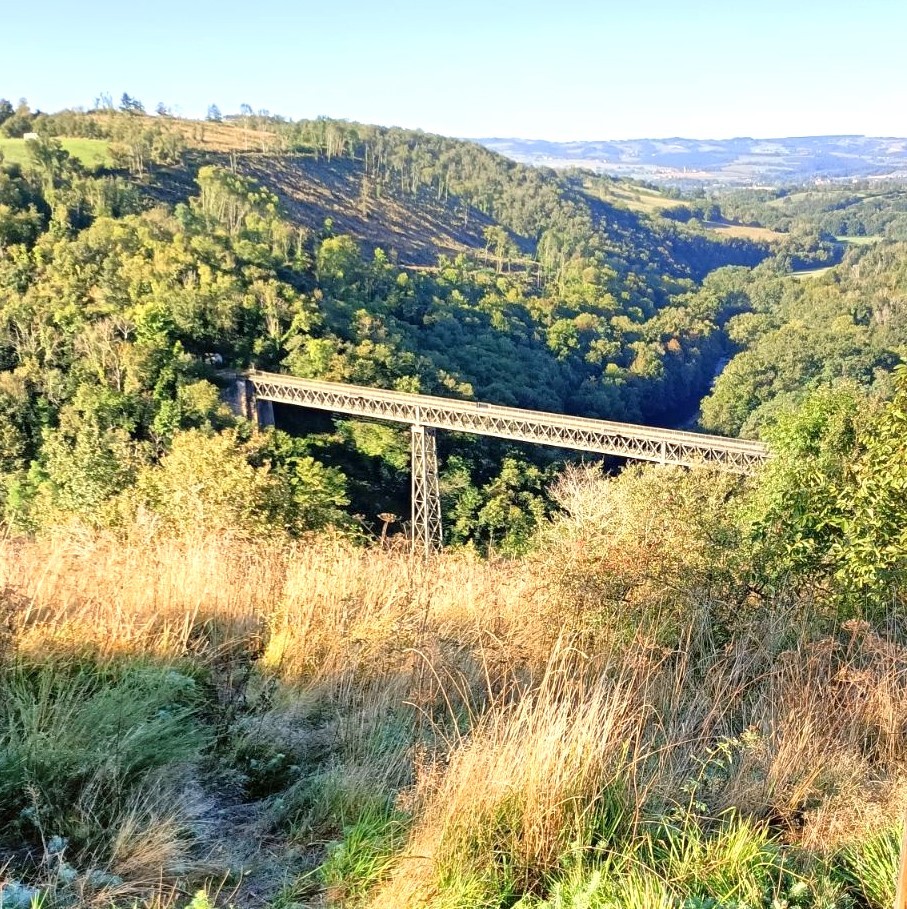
[558,70]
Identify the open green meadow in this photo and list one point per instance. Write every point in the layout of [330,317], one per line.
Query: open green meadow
[91,152]
[807,274]
[859,241]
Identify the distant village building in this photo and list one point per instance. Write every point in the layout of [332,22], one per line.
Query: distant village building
[34,136]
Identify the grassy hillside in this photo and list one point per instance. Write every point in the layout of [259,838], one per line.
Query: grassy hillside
[90,152]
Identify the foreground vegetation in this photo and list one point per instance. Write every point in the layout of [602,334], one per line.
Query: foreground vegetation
[689,692]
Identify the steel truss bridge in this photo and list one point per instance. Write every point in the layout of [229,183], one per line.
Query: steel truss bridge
[425,415]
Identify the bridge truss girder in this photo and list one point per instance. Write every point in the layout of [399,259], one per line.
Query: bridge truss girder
[426,414]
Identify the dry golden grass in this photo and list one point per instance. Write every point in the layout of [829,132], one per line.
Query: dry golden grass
[160,599]
[217,136]
[748,232]
[325,610]
[534,691]
[208,135]
[528,781]
[635,198]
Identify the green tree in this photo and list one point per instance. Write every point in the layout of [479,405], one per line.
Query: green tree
[205,484]
[796,515]
[20,122]
[130,105]
[871,550]
[504,513]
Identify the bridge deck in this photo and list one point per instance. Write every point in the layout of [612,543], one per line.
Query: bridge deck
[627,440]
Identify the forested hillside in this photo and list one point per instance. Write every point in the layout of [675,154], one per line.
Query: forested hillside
[839,326]
[225,680]
[858,210]
[125,287]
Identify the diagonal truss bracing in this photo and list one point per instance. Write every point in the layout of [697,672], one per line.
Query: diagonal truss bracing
[426,494]
[626,440]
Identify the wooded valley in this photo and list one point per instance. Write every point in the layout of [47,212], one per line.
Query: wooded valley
[225,681]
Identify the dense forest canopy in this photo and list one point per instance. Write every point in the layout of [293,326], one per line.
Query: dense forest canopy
[127,286]
[846,325]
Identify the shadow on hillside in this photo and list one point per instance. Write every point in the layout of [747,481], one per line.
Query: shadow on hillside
[415,228]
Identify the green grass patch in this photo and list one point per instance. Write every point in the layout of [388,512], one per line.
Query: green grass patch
[76,740]
[691,864]
[90,152]
[683,862]
[365,855]
[869,868]
[808,274]
[859,241]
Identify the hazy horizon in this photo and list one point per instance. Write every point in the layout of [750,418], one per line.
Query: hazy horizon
[684,138]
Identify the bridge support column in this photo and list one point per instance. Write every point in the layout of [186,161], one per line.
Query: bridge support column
[245,403]
[264,413]
[426,525]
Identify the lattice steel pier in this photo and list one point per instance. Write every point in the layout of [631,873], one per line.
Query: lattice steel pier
[426,494]
[426,414]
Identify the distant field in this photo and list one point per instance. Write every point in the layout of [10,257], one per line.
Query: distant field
[760,234]
[636,198]
[644,200]
[810,273]
[859,241]
[91,152]
[790,199]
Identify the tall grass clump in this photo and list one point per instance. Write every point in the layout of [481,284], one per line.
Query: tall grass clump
[538,778]
[94,760]
[74,744]
[869,867]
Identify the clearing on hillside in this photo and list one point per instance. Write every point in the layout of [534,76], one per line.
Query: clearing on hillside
[637,198]
[747,231]
[415,229]
[213,135]
[859,241]
[807,274]
[91,152]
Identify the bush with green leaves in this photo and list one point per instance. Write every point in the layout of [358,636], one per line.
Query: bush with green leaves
[219,482]
[830,509]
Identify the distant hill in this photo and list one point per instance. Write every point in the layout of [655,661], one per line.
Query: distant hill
[742,161]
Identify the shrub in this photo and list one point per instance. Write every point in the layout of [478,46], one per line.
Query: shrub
[76,740]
